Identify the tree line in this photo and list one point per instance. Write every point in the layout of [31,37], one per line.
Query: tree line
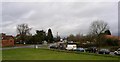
[95,36]
[24,36]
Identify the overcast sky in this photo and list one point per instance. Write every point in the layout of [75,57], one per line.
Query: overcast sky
[63,17]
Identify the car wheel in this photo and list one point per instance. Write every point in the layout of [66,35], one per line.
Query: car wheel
[115,53]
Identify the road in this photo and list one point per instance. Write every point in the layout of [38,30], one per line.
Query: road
[28,46]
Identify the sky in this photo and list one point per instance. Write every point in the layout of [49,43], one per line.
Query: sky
[64,17]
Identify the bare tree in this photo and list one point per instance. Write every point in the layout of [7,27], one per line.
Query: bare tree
[71,37]
[98,27]
[23,30]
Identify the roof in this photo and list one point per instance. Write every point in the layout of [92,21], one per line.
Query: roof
[4,36]
[113,37]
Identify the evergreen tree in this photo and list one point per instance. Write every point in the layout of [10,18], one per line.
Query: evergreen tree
[39,36]
[107,32]
[50,36]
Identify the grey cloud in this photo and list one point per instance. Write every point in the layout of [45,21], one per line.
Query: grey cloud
[63,17]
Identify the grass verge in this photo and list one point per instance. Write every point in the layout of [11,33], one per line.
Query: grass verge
[46,54]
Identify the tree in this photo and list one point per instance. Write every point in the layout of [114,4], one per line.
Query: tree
[23,30]
[107,32]
[97,30]
[40,36]
[78,38]
[71,37]
[98,27]
[57,39]
[75,38]
[111,42]
[50,36]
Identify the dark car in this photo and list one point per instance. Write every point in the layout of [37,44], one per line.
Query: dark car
[53,47]
[91,49]
[80,49]
[103,51]
[61,46]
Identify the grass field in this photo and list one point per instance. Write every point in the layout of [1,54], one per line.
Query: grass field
[0,55]
[45,54]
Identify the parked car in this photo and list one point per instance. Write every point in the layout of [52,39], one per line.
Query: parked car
[103,51]
[53,46]
[80,49]
[117,52]
[91,49]
[61,46]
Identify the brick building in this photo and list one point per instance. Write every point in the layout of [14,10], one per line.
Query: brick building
[112,37]
[7,40]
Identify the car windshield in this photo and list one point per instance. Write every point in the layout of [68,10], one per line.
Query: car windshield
[80,48]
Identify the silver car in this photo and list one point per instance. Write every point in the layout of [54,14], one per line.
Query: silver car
[80,49]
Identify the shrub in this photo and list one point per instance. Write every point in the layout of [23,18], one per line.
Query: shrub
[111,42]
[114,48]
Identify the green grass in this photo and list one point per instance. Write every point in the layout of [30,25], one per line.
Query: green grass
[45,54]
[0,55]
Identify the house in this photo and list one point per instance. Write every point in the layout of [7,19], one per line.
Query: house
[7,40]
[112,37]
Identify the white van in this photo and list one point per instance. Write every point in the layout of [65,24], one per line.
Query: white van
[71,46]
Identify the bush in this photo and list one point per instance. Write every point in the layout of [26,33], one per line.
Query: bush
[88,45]
[112,42]
[114,48]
